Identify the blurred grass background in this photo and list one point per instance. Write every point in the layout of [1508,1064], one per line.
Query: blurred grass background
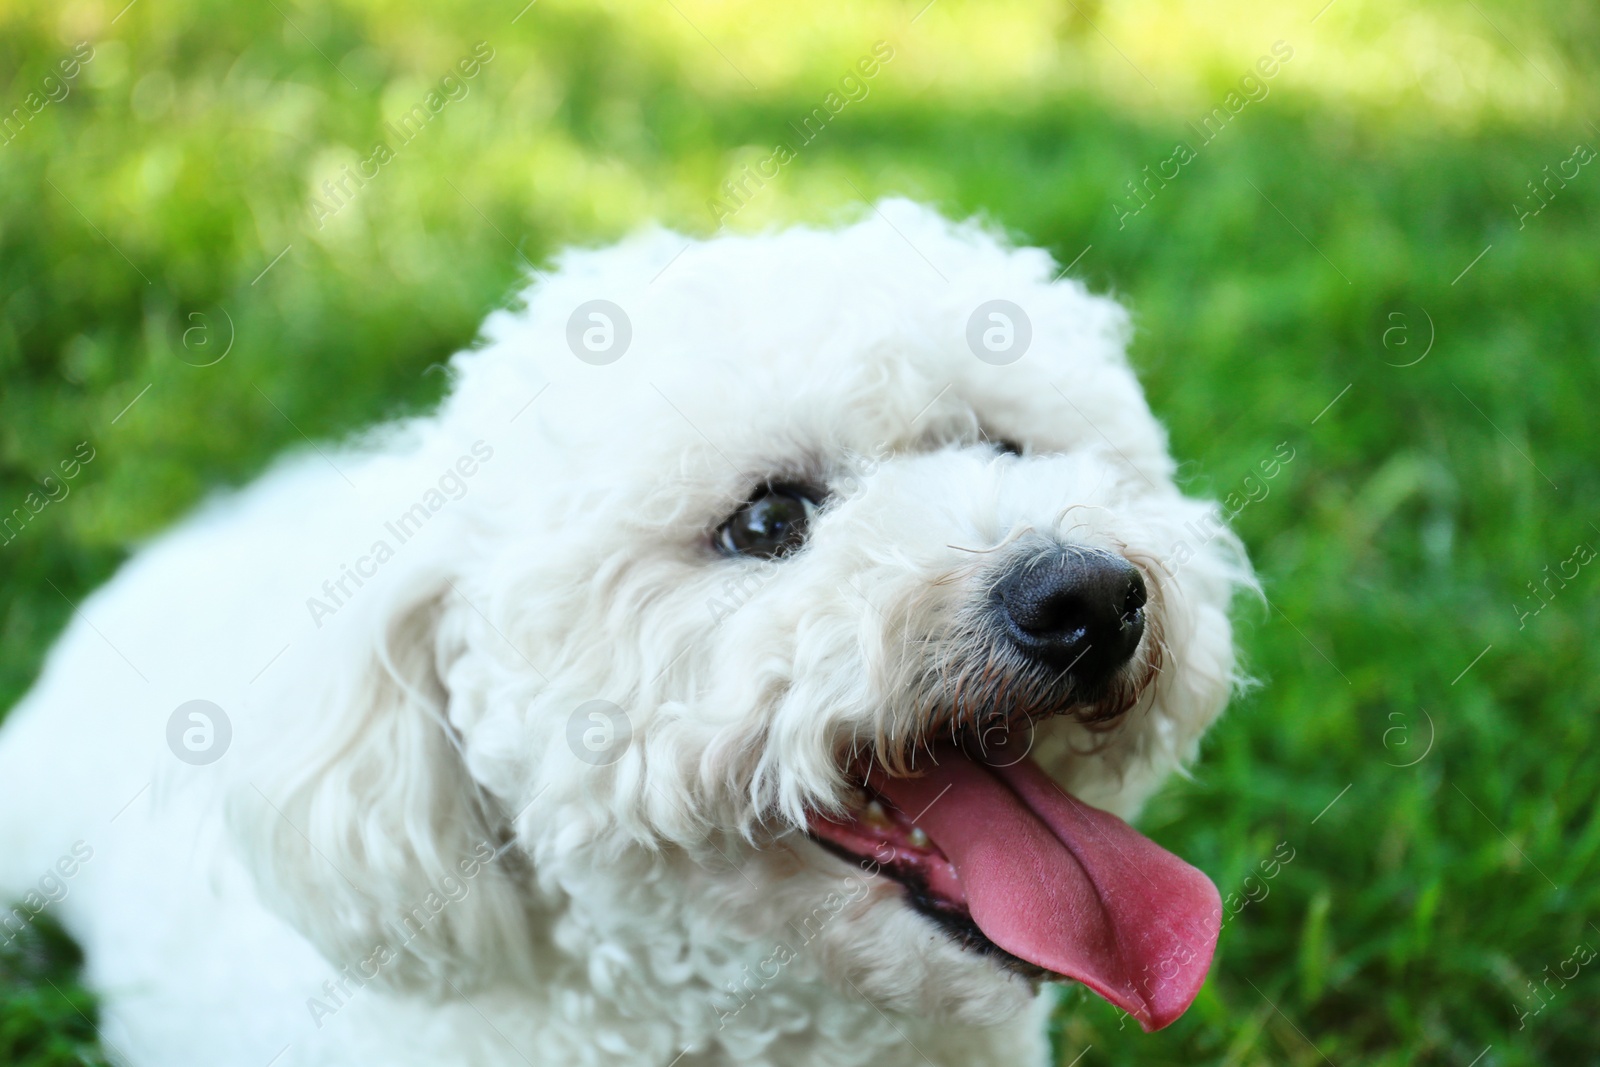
[162,211]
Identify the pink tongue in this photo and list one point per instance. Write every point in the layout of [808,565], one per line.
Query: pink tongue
[1067,887]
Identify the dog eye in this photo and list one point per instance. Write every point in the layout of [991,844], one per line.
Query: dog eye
[1006,446]
[771,525]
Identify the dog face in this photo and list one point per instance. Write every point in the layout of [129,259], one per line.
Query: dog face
[819,631]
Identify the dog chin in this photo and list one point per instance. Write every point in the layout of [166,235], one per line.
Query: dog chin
[887,950]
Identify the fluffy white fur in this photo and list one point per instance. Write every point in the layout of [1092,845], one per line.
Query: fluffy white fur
[622,914]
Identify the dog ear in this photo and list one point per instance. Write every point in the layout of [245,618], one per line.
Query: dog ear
[366,830]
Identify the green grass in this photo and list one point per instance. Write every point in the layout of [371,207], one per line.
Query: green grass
[45,1017]
[1263,280]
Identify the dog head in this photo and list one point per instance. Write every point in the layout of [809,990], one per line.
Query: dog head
[826,602]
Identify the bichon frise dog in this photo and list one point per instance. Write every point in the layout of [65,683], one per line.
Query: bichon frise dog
[752,661]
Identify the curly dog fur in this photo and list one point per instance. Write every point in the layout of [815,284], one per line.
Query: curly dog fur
[411,852]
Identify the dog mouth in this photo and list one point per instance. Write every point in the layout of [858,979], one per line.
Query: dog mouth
[1009,863]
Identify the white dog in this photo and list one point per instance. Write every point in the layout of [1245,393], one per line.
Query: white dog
[752,661]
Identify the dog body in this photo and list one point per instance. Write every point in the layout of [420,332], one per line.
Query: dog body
[516,743]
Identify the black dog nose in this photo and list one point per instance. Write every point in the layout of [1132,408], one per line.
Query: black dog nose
[1076,610]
